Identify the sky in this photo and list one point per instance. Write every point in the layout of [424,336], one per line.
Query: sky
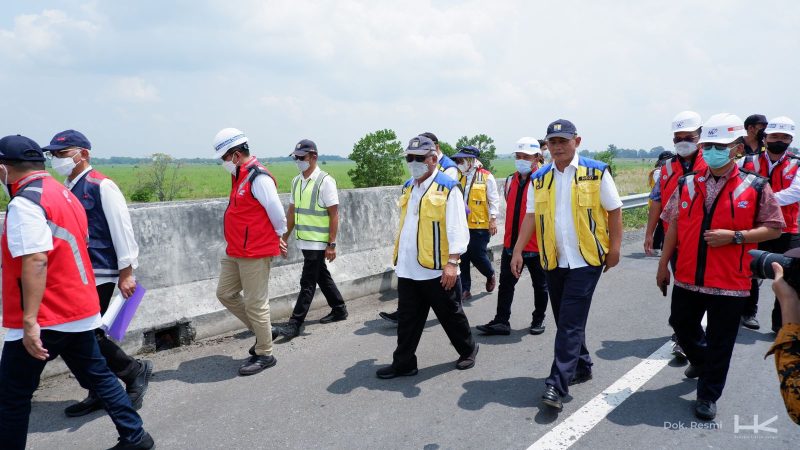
[139,77]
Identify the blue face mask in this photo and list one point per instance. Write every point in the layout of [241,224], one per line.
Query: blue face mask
[717,156]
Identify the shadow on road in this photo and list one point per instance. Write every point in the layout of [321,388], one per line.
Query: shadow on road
[518,392]
[49,416]
[208,369]
[748,337]
[638,348]
[513,338]
[638,408]
[362,375]
[384,327]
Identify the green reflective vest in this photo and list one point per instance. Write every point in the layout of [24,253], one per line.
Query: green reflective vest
[311,220]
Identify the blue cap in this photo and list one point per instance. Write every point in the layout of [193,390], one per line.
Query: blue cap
[468,151]
[305,146]
[67,139]
[420,145]
[561,128]
[20,148]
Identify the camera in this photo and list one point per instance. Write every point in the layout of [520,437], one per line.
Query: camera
[761,266]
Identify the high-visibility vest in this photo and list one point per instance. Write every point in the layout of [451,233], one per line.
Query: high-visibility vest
[311,220]
[781,178]
[477,200]
[671,171]
[588,214]
[735,208]
[432,246]
[248,230]
[445,162]
[70,292]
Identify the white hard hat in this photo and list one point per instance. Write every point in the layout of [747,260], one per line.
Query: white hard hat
[722,128]
[529,146]
[226,139]
[780,124]
[686,121]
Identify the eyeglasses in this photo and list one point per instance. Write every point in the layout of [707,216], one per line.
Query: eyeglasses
[59,154]
[693,138]
[417,158]
[299,158]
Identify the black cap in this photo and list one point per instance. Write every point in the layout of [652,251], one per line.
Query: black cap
[20,148]
[755,119]
[666,154]
[67,139]
[431,136]
[561,128]
[305,146]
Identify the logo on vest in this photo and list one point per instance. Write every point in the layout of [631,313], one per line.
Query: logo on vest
[588,178]
[665,177]
[685,205]
[65,193]
[743,204]
[701,179]
[789,176]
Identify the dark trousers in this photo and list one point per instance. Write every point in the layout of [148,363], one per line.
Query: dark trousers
[19,378]
[315,272]
[478,255]
[782,244]
[505,292]
[119,362]
[415,299]
[571,293]
[710,350]
[658,236]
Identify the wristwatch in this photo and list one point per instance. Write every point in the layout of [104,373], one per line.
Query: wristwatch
[738,237]
[332,244]
[454,262]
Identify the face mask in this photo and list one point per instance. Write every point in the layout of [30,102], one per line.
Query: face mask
[5,181]
[717,157]
[417,169]
[685,148]
[63,166]
[229,166]
[463,167]
[777,148]
[302,166]
[523,166]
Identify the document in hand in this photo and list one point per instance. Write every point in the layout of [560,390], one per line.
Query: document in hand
[120,312]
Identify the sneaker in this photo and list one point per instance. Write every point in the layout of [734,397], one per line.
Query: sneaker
[390,372]
[750,322]
[136,386]
[334,316]
[257,364]
[705,409]
[537,326]
[391,317]
[552,398]
[494,328]
[467,362]
[145,443]
[90,404]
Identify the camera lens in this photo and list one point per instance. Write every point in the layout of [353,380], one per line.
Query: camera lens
[761,265]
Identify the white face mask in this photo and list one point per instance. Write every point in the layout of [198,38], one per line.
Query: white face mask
[5,181]
[685,148]
[523,166]
[302,166]
[417,169]
[464,167]
[63,166]
[229,166]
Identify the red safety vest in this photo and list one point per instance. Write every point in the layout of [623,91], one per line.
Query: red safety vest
[781,178]
[70,292]
[512,188]
[735,208]
[672,171]
[248,230]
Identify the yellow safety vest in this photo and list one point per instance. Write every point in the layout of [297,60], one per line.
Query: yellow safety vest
[588,214]
[311,220]
[477,201]
[432,246]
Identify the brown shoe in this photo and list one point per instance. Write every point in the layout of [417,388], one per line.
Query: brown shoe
[466,296]
[491,282]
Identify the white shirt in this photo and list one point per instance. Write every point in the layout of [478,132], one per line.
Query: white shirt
[119,224]
[24,215]
[569,254]
[328,196]
[265,191]
[457,232]
[451,172]
[787,196]
[491,191]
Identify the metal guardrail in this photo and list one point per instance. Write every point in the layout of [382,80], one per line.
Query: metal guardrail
[634,201]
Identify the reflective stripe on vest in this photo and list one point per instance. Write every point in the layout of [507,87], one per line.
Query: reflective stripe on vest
[312,222]
[65,235]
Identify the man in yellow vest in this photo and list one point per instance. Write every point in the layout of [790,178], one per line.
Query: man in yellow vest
[314,216]
[483,202]
[576,211]
[433,234]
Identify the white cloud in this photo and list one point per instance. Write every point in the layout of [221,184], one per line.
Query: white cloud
[46,34]
[134,90]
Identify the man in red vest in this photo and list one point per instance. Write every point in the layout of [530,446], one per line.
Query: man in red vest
[50,305]
[780,167]
[528,159]
[254,222]
[715,217]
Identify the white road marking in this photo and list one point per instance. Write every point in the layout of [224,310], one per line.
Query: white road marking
[568,432]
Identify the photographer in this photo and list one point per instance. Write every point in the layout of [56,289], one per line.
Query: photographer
[787,345]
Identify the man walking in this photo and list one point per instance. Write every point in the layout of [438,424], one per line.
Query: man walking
[254,222]
[112,250]
[50,303]
[314,215]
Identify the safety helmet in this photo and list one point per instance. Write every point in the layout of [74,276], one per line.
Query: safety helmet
[780,124]
[686,121]
[722,128]
[226,139]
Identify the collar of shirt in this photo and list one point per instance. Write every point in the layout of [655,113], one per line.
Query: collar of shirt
[425,183]
[70,184]
[573,164]
[313,175]
[771,165]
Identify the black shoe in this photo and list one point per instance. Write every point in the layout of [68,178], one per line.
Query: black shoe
[275,333]
[582,378]
[90,404]
[678,352]
[537,326]
[390,372]
[552,398]
[136,387]
[391,317]
[467,362]
[494,328]
[289,330]
[705,409]
[692,371]
[252,350]
[145,443]
[256,364]
[750,322]
[334,316]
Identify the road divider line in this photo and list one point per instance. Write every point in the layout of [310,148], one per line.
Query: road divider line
[565,434]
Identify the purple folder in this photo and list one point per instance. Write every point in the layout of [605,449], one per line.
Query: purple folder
[120,325]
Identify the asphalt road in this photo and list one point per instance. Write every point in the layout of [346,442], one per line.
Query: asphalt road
[323,393]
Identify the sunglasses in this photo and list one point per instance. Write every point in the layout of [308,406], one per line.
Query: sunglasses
[299,158]
[692,139]
[718,147]
[417,158]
